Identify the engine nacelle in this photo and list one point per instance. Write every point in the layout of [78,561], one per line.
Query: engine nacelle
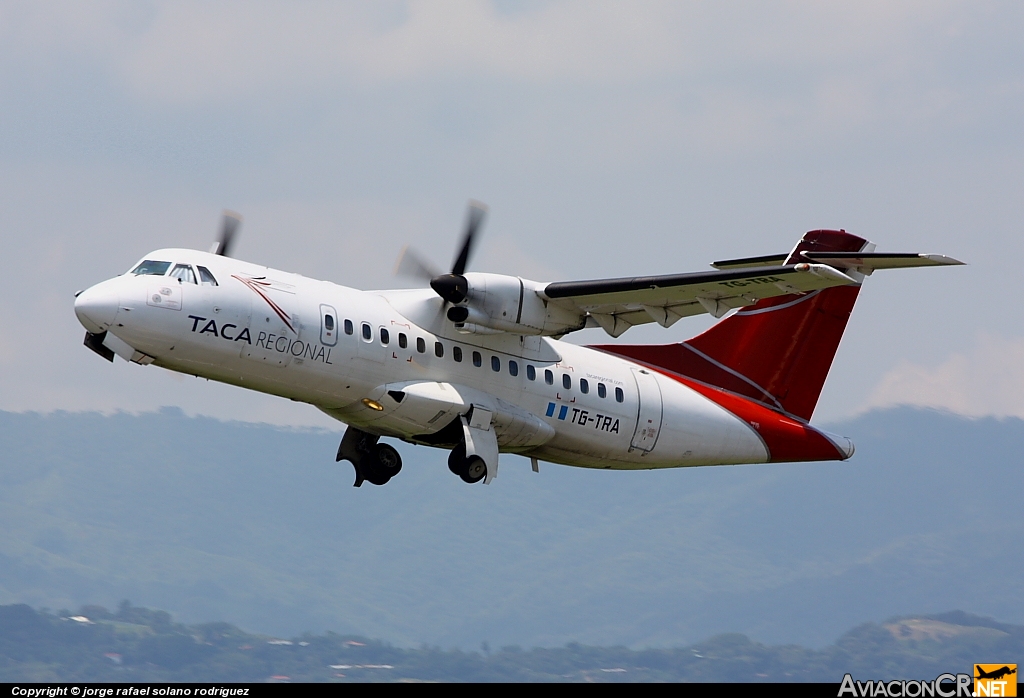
[511,304]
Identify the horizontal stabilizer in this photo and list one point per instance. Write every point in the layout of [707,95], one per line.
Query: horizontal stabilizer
[867,262]
[864,262]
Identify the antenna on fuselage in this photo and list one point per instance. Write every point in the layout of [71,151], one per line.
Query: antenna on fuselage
[230,221]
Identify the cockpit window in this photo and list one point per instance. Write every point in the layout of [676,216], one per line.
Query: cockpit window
[149,267]
[206,278]
[184,273]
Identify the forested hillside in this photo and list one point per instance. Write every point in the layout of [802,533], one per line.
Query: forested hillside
[137,644]
[259,527]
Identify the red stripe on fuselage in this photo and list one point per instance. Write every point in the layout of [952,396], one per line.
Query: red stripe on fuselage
[787,439]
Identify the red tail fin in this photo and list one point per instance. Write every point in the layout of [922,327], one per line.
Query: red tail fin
[777,351]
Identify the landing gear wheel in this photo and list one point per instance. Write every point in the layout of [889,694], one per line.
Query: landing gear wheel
[457,460]
[475,470]
[472,469]
[382,464]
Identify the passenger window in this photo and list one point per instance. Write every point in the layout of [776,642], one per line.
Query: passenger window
[584,386]
[348,327]
[566,381]
[367,332]
[206,277]
[403,341]
[329,322]
[495,364]
[385,337]
[457,353]
[513,368]
[478,360]
[184,274]
[438,350]
[531,372]
[619,397]
[151,268]
[549,377]
[421,346]
[601,390]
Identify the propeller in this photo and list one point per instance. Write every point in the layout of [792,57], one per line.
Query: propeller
[453,286]
[228,228]
[474,219]
[412,265]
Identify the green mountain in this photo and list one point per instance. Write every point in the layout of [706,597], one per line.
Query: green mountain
[259,527]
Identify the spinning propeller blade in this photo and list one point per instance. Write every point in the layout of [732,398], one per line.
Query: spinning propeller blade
[412,265]
[228,228]
[452,287]
[474,219]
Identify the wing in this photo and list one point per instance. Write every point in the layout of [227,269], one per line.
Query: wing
[618,304]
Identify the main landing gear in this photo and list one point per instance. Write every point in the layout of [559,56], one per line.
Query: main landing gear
[377,463]
[374,462]
[472,469]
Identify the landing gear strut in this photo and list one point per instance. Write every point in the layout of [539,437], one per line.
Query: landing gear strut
[374,462]
[472,469]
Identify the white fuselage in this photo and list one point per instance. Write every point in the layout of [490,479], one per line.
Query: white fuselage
[303,339]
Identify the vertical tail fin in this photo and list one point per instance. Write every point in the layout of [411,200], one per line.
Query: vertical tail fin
[777,351]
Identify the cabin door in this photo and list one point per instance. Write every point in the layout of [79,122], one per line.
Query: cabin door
[649,411]
[328,325]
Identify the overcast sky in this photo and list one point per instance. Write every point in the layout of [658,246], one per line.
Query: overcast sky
[608,139]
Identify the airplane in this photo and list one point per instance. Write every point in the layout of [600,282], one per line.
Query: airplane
[474,363]
[995,674]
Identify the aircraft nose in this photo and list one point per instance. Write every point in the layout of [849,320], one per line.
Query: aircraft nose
[96,307]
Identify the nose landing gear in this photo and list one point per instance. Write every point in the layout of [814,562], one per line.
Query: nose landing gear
[374,462]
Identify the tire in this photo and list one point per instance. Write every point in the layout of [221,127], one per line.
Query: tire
[457,460]
[476,470]
[387,459]
[382,464]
